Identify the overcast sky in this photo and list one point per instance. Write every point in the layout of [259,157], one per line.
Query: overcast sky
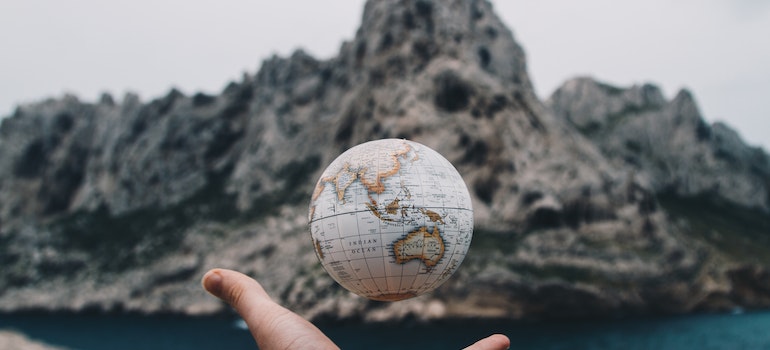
[718,49]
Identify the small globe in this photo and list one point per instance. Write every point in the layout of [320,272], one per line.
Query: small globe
[391,219]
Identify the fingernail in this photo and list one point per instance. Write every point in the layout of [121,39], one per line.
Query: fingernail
[212,282]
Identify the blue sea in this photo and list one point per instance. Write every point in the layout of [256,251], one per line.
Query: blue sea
[749,330]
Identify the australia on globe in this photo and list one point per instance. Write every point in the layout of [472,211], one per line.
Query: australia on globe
[391,219]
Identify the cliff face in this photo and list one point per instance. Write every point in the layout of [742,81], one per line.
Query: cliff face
[667,141]
[123,206]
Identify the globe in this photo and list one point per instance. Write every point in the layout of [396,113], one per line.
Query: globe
[390,219]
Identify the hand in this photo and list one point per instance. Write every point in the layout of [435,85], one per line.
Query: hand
[275,327]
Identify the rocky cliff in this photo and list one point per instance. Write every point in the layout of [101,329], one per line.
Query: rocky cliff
[666,141]
[602,201]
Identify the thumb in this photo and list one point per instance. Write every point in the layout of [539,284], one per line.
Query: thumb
[271,325]
[492,342]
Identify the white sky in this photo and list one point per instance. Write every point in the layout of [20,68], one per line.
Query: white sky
[719,49]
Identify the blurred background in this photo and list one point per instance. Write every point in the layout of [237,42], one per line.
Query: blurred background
[615,155]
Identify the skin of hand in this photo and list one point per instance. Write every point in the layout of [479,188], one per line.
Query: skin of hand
[276,327]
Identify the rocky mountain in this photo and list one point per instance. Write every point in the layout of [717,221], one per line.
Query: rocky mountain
[668,141]
[601,201]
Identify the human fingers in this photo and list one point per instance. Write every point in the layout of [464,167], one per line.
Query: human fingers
[492,342]
[271,325]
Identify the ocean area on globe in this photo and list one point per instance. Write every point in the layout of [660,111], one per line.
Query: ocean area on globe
[390,219]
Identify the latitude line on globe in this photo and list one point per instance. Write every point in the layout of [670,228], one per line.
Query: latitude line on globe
[367,210]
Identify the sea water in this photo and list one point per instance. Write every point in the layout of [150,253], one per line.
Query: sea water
[707,331]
